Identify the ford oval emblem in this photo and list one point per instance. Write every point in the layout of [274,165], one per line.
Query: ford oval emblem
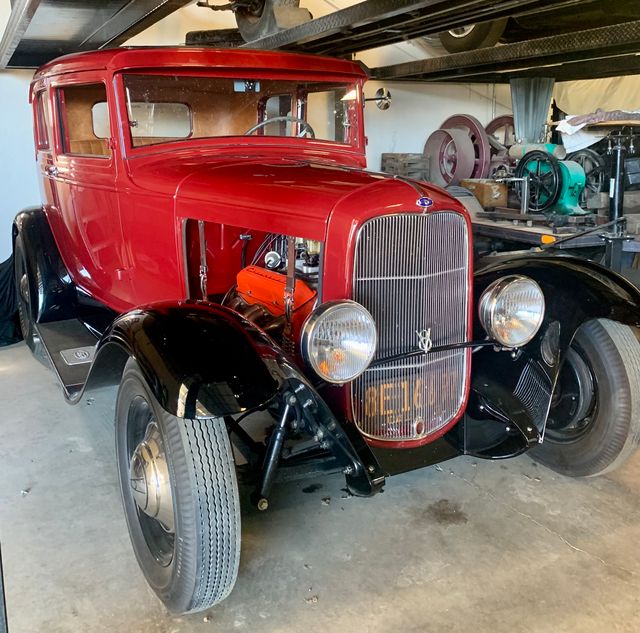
[424,202]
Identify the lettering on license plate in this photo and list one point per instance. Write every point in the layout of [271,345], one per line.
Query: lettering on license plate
[427,397]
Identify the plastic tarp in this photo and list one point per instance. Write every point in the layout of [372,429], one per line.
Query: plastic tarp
[610,93]
[9,331]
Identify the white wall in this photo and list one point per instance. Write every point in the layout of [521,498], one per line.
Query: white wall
[18,171]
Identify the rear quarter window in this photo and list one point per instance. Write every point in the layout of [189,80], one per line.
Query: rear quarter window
[84,129]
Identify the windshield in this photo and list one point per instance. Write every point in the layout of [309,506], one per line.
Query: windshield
[166,108]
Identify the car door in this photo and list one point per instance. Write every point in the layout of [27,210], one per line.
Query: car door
[85,172]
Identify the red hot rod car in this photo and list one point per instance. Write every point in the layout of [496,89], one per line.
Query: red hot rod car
[210,241]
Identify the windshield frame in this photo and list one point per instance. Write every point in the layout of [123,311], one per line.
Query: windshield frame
[357,146]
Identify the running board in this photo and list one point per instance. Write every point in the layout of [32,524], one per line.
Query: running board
[71,349]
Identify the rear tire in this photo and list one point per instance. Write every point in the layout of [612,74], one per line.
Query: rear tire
[189,551]
[474,36]
[25,295]
[594,422]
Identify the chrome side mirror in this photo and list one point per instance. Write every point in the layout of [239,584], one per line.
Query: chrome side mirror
[382,99]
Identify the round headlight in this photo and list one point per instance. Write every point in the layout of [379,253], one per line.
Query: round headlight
[339,340]
[511,310]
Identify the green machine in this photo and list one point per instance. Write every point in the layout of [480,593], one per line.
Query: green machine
[554,185]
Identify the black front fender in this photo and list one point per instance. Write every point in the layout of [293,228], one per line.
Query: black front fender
[199,359]
[576,290]
[515,388]
[202,360]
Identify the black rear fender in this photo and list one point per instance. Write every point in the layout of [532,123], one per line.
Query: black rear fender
[515,388]
[53,292]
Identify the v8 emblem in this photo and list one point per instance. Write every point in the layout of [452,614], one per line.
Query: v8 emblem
[424,340]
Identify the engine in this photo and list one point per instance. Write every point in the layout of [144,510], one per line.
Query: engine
[261,288]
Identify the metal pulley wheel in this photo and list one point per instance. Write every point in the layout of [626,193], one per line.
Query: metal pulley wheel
[451,157]
[501,132]
[479,140]
[545,179]
[594,171]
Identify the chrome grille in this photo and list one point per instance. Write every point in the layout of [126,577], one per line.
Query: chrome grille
[411,272]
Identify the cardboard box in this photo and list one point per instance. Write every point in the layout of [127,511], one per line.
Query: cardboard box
[488,192]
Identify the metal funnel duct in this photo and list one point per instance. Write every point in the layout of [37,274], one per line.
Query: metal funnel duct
[530,99]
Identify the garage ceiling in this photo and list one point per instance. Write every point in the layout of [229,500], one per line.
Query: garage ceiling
[40,30]
[378,22]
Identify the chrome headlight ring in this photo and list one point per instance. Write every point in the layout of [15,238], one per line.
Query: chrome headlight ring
[511,310]
[339,340]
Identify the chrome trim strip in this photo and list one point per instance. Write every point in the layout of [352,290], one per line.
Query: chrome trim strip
[443,272]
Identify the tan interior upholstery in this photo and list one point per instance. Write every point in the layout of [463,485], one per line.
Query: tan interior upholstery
[92,147]
[80,137]
[140,141]
[99,147]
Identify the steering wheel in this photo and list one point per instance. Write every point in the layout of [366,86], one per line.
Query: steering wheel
[305,127]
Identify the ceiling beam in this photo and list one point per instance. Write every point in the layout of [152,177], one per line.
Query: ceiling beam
[553,56]
[378,22]
[22,12]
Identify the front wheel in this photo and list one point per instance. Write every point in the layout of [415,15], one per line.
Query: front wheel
[180,496]
[594,421]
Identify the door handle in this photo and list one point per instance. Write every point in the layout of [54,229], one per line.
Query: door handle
[52,170]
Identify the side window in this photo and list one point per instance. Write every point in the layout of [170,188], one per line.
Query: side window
[84,120]
[43,124]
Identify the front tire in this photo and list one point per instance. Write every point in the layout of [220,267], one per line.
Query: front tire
[594,421]
[180,496]
[469,38]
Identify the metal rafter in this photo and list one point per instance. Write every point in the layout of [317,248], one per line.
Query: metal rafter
[601,52]
[22,11]
[377,22]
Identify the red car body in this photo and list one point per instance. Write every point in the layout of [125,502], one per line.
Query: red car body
[120,223]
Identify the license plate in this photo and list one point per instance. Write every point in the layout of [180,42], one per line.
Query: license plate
[420,402]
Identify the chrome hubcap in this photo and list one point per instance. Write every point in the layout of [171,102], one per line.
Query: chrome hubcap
[462,31]
[149,479]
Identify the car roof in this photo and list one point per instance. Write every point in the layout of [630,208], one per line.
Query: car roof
[157,58]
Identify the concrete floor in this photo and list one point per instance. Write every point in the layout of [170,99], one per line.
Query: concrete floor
[466,546]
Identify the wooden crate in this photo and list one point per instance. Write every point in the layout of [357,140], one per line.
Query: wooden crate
[489,193]
[409,165]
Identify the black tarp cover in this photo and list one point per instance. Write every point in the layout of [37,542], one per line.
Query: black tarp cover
[9,331]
